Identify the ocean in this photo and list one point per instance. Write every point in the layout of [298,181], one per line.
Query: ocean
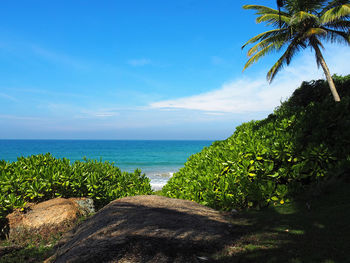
[157,159]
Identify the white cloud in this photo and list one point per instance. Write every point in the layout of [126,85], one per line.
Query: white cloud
[139,62]
[254,94]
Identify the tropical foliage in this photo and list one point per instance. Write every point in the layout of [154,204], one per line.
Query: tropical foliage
[305,141]
[42,177]
[300,24]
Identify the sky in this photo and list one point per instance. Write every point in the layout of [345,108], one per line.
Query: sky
[136,69]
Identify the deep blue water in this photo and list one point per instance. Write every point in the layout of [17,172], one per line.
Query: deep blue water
[158,159]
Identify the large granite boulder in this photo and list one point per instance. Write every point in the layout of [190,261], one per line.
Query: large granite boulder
[48,217]
[147,229]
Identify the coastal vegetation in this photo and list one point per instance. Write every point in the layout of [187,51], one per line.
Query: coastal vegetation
[42,177]
[300,25]
[280,184]
[296,159]
[292,232]
[304,143]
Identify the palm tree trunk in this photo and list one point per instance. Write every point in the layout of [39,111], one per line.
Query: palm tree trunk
[327,73]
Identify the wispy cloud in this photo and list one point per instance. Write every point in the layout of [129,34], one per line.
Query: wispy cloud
[58,57]
[139,62]
[93,114]
[255,94]
[72,111]
[21,48]
[50,93]
[17,117]
[8,97]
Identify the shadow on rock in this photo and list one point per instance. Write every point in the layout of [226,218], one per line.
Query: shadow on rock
[147,229]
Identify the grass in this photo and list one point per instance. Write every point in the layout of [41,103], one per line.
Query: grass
[314,228]
[30,253]
[34,246]
[30,249]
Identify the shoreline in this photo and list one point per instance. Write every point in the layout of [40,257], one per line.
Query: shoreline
[158,180]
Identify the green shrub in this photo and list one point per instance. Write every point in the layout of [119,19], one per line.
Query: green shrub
[305,140]
[42,177]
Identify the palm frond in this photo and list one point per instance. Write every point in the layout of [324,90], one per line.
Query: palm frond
[337,36]
[335,3]
[275,69]
[294,6]
[339,24]
[301,16]
[262,9]
[262,36]
[286,58]
[277,40]
[273,19]
[336,13]
[259,55]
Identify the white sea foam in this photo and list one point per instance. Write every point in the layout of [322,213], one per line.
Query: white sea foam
[157,186]
[159,179]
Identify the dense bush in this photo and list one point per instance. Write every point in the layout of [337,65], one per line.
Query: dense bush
[42,177]
[305,140]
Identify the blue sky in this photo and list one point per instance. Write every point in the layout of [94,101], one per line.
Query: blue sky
[138,69]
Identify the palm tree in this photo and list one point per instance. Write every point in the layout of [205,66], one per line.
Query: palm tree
[300,24]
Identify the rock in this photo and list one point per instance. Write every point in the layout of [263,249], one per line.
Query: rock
[146,229]
[48,216]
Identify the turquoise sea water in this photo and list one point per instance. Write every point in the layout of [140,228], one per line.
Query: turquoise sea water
[158,159]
